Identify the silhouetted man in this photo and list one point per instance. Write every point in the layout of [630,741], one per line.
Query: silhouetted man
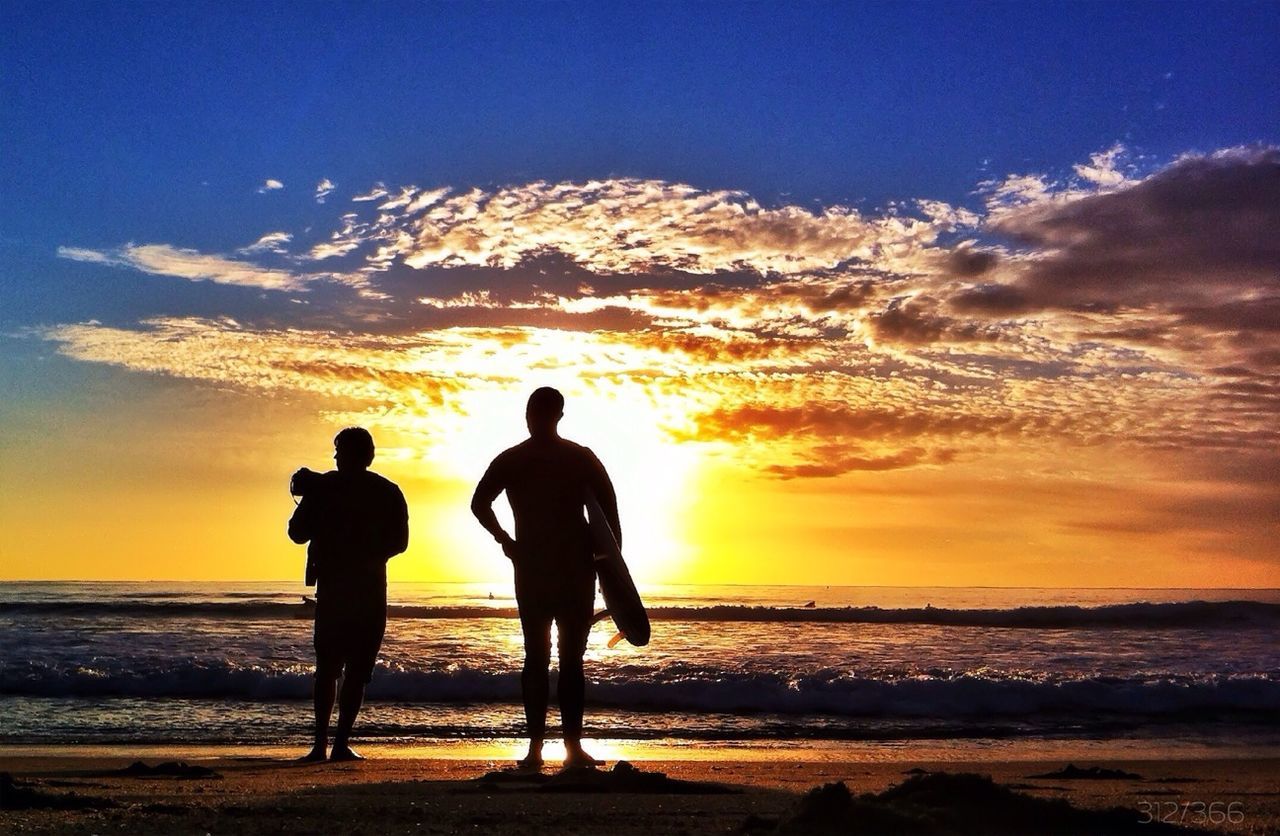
[547,479]
[356,520]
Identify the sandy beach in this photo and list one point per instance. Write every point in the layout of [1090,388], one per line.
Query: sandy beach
[70,790]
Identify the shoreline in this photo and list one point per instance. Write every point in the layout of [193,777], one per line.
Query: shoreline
[971,750]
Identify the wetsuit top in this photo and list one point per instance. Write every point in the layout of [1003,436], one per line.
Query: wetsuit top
[356,522]
[546,481]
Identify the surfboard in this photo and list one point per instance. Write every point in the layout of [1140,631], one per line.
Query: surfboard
[621,599]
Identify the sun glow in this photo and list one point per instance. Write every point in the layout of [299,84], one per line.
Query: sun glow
[624,417]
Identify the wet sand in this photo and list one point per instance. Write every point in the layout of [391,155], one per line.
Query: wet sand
[265,793]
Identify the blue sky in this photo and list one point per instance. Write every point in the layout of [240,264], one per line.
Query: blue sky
[132,107]
[1028,205]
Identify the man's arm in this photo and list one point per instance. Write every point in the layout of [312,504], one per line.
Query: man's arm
[598,478]
[300,524]
[491,484]
[398,522]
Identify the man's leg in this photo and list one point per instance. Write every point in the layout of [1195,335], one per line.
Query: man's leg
[364,642]
[325,687]
[534,684]
[324,690]
[574,625]
[349,701]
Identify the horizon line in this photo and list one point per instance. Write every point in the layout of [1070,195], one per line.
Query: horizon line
[743,585]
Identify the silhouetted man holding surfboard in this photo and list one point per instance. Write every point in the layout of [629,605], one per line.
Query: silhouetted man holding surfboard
[549,480]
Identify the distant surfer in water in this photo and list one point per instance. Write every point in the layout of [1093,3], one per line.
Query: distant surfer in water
[547,479]
[355,521]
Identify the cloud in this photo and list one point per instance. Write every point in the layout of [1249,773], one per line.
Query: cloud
[916,320]
[350,373]
[1105,169]
[1200,229]
[89,256]
[324,188]
[1184,262]
[271,242]
[270,185]
[341,242]
[842,462]
[626,226]
[165,260]
[193,265]
[378,191]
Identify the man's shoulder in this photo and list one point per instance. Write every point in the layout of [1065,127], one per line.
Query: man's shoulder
[515,452]
[573,448]
[381,483]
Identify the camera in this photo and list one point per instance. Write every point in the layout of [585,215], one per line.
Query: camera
[304,481]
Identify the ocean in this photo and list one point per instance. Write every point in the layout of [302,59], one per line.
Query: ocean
[862,667]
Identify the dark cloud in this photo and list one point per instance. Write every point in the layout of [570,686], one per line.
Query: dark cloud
[917,321]
[1183,265]
[839,464]
[711,349]
[996,299]
[1203,230]
[764,421]
[966,262]
[1235,315]
[844,297]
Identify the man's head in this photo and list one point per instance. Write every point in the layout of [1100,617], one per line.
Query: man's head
[353,449]
[545,409]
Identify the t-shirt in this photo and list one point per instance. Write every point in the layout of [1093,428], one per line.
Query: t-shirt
[355,522]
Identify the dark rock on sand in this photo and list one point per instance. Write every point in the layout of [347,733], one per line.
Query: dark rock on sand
[623,778]
[1092,773]
[168,769]
[23,795]
[941,803]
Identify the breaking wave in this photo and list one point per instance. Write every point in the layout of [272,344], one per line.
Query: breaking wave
[696,689]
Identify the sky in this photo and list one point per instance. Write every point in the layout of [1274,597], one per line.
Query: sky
[877,293]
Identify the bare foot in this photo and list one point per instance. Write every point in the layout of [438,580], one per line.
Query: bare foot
[579,759]
[344,753]
[531,761]
[316,755]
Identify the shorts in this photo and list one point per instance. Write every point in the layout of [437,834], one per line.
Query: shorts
[567,599]
[348,637]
